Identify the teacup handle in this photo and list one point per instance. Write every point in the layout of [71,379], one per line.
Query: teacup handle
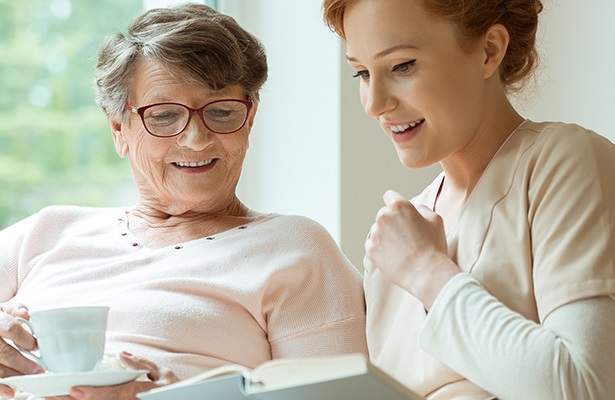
[21,349]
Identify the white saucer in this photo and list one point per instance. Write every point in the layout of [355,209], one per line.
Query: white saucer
[49,384]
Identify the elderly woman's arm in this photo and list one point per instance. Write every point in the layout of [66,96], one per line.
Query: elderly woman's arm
[569,355]
[314,304]
[12,362]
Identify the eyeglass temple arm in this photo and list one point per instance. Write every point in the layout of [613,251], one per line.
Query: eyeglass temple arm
[130,108]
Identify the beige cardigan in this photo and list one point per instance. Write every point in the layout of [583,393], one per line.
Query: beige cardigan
[538,233]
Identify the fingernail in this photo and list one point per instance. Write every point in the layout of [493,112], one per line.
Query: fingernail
[125,353]
[77,393]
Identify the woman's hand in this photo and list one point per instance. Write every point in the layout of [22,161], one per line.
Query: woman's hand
[408,244]
[12,362]
[128,391]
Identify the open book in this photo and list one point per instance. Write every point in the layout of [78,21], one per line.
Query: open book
[345,377]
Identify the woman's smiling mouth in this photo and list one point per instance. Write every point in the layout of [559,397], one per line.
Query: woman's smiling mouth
[403,127]
[193,164]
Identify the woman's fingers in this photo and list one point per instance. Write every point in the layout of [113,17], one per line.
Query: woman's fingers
[15,309]
[14,331]
[159,375]
[12,362]
[391,196]
[7,392]
[126,391]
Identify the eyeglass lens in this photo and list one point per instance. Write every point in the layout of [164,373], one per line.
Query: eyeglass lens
[170,119]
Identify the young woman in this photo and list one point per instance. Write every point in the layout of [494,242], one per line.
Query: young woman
[499,279]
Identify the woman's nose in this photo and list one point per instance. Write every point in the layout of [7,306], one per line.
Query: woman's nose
[377,98]
[196,136]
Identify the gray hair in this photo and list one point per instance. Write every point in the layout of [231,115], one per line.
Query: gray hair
[193,42]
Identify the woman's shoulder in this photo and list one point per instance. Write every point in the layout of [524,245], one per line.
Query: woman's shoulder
[51,224]
[64,216]
[291,224]
[287,220]
[69,213]
[300,233]
[563,134]
[553,143]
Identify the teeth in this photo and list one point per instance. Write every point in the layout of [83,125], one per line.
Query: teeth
[402,128]
[399,128]
[193,163]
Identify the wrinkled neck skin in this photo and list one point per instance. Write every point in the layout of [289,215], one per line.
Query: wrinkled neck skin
[157,228]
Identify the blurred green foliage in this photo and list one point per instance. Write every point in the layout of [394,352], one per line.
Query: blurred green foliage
[55,143]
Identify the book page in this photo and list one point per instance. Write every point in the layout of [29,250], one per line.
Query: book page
[359,387]
[346,377]
[282,373]
[233,369]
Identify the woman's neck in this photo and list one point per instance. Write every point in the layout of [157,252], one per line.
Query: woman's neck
[464,169]
[158,228]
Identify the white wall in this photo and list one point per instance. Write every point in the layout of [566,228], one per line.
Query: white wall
[293,165]
[576,80]
[314,152]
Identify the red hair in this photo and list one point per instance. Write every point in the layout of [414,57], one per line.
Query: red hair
[473,18]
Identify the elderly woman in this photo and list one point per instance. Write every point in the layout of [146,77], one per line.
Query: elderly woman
[194,278]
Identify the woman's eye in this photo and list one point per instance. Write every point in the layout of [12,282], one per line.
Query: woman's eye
[219,114]
[162,118]
[363,74]
[405,66]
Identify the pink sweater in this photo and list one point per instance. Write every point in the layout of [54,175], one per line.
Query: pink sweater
[277,287]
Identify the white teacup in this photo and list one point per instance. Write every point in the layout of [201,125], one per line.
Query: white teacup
[69,339]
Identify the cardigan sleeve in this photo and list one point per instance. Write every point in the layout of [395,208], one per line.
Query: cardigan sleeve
[568,356]
[314,303]
[571,215]
[11,240]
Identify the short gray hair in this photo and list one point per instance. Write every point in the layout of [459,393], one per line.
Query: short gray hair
[192,41]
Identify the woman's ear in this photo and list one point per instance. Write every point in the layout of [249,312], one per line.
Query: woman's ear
[121,147]
[252,115]
[495,45]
